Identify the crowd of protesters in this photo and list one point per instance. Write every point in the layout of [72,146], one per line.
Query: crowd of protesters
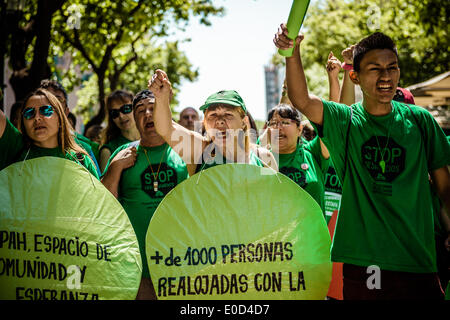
[392,211]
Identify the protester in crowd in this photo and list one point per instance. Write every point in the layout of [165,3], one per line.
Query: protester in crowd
[308,133]
[60,93]
[441,221]
[44,131]
[188,118]
[333,188]
[303,162]
[120,128]
[383,161]
[14,113]
[140,174]
[94,134]
[226,126]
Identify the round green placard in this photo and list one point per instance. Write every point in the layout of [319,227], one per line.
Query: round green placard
[63,235]
[235,232]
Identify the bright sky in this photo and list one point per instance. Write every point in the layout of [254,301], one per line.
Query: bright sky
[232,52]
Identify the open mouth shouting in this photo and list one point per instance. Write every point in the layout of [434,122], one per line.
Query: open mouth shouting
[150,125]
[221,134]
[385,88]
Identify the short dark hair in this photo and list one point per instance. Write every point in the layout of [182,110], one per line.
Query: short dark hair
[378,40]
[55,85]
[286,111]
[141,95]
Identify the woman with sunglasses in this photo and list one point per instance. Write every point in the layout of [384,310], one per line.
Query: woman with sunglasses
[121,128]
[43,130]
[305,163]
[226,124]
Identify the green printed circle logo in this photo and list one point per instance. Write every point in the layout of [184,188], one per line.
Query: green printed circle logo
[231,232]
[296,175]
[332,182]
[383,164]
[63,236]
[166,180]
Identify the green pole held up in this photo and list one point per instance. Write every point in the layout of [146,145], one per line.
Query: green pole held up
[294,23]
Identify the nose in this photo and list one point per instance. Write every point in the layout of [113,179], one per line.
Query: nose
[37,116]
[220,121]
[148,113]
[384,74]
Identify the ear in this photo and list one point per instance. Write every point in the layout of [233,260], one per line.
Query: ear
[300,130]
[354,77]
[246,122]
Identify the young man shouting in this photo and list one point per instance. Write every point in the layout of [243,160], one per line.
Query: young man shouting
[384,153]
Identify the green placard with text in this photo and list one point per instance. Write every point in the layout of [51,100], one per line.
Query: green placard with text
[63,235]
[236,232]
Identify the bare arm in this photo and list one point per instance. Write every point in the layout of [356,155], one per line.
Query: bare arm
[123,160]
[188,144]
[441,181]
[347,95]
[267,158]
[333,68]
[2,123]
[310,105]
[105,154]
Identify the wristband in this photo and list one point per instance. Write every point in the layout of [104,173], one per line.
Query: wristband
[346,66]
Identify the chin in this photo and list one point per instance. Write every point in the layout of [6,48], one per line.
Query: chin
[385,100]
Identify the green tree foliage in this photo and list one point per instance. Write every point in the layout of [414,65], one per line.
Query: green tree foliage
[26,41]
[135,77]
[115,40]
[112,44]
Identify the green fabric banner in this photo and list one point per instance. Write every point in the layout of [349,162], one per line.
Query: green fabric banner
[235,232]
[63,235]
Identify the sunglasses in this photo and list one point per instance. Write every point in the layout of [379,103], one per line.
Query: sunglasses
[30,113]
[125,109]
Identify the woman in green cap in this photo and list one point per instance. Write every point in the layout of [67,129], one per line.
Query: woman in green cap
[226,124]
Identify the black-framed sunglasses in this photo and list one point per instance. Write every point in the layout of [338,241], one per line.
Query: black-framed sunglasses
[30,112]
[125,109]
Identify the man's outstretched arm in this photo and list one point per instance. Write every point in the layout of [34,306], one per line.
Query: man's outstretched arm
[310,105]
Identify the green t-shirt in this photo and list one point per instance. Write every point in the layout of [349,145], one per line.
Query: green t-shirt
[333,192]
[306,167]
[115,143]
[386,216]
[211,161]
[85,141]
[136,189]
[13,149]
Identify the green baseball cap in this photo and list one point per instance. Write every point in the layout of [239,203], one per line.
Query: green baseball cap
[230,97]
